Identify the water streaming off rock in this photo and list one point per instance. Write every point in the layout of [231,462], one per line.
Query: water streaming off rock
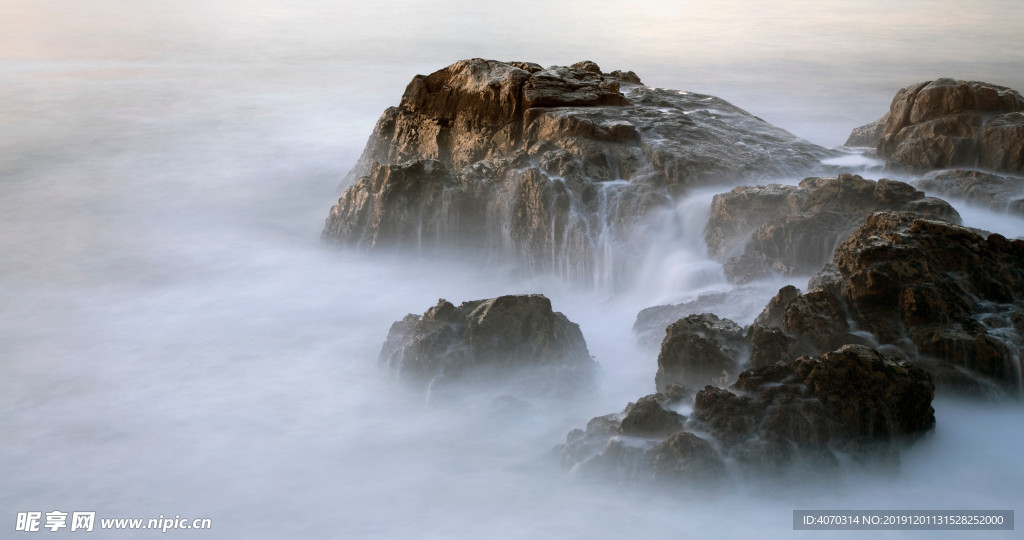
[175,339]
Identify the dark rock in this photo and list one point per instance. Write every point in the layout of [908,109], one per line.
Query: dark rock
[686,459]
[938,294]
[931,282]
[509,341]
[794,230]
[853,400]
[647,418]
[769,345]
[700,350]
[1000,193]
[546,166]
[948,123]
[784,417]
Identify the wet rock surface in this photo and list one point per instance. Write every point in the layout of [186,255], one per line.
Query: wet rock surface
[546,166]
[516,343]
[794,230]
[940,295]
[949,123]
[805,414]
[999,193]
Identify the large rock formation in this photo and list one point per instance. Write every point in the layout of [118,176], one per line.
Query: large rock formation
[851,402]
[513,343]
[1000,193]
[943,296]
[551,166]
[794,230]
[948,123]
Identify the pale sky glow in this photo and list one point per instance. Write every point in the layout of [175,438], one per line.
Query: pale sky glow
[730,31]
[789,62]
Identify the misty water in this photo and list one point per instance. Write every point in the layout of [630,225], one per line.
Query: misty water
[175,339]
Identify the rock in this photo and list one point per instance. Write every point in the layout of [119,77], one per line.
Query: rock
[935,293]
[510,342]
[700,350]
[686,459]
[550,167]
[1000,193]
[627,77]
[853,399]
[581,446]
[648,418]
[769,345]
[793,230]
[1001,143]
[649,327]
[786,417]
[581,85]
[948,123]
[866,136]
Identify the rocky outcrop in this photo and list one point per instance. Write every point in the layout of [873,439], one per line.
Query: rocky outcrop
[511,343]
[948,123]
[1000,193]
[793,230]
[852,402]
[940,295]
[700,350]
[553,167]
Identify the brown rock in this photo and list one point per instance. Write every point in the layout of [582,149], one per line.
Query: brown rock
[948,123]
[1000,193]
[546,166]
[1001,143]
[938,294]
[866,136]
[795,229]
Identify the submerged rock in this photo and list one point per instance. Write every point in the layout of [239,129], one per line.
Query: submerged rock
[553,167]
[805,414]
[793,230]
[948,123]
[940,295]
[514,343]
[999,193]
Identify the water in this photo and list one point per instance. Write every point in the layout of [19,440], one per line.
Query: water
[175,340]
